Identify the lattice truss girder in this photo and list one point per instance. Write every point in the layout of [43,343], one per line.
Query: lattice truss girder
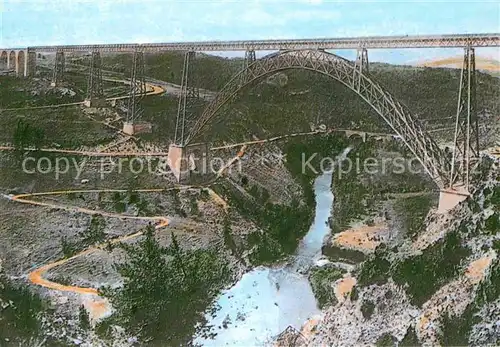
[466,141]
[423,41]
[137,88]
[188,100]
[59,64]
[94,84]
[393,112]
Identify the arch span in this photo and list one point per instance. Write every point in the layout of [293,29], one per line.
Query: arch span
[392,112]
[4,58]
[12,59]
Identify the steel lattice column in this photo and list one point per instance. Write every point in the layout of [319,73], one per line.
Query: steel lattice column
[249,60]
[466,141]
[360,66]
[94,85]
[188,97]
[58,73]
[137,88]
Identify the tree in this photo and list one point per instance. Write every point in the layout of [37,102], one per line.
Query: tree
[95,231]
[175,251]
[165,289]
[21,311]
[84,318]
[228,238]
[26,135]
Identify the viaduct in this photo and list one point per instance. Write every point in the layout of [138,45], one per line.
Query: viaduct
[22,60]
[451,173]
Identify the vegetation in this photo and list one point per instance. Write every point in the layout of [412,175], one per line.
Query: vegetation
[61,279]
[456,330]
[317,147]
[177,203]
[21,311]
[421,275]
[94,233]
[83,317]
[351,196]
[424,274]
[211,72]
[375,269]
[69,249]
[228,237]
[118,203]
[367,309]
[322,279]
[410,339]
[166,289]
[141,203]
[283,225]
[386,340]
[492,224]
[27,135]
[193,209]
[493,198]
[20,92]
[412,211]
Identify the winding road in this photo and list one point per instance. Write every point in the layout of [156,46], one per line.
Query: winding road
[36,276]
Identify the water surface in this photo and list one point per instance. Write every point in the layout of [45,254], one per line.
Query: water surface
[268,299]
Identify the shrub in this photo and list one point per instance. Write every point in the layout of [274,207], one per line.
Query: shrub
[322,280]
[425,273]
[367,309]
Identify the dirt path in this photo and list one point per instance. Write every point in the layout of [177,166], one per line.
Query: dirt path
[153,90]
[36,276]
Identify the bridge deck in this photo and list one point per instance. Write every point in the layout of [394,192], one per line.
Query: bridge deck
[375,42]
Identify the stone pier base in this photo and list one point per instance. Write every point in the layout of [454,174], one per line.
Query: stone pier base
[449,198]
[191,163]
[95,103]
[137,128]
[177,161]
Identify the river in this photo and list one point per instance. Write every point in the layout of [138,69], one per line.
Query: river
[266,300]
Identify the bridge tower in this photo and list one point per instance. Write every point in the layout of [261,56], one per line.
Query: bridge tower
[189,95]
[58,73]
[95,94]
[360,66]
[249,60]
[465,152]
[136,94]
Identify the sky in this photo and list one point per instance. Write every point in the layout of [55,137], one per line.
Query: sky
[51,22]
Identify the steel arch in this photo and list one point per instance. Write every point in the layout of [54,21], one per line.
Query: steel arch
[393,112]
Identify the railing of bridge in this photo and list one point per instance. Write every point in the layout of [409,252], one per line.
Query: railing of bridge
[374,42]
